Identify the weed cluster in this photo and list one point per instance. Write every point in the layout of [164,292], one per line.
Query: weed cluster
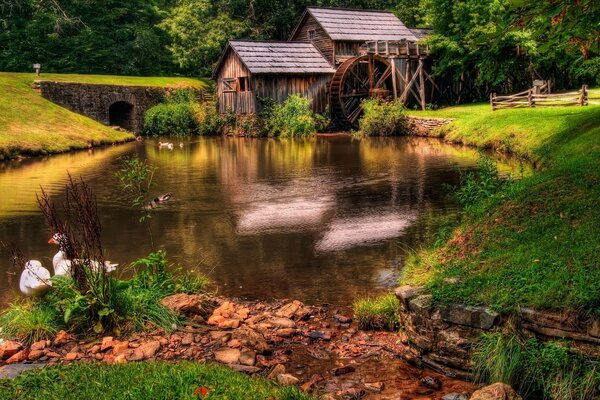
[378,312]
[294,117]
[382,118]
[476,186]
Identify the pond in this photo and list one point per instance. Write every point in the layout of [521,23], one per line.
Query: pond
[322,220]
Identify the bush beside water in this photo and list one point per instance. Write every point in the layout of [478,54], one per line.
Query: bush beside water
[382,118]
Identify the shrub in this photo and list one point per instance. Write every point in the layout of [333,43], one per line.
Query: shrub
[293,117]
[536,369]
[29,321]
[382,118]
[208,120]
[481,184]
[170,119]
[377,313]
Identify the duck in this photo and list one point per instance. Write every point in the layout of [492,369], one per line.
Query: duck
[35,279]
[159,200]
[167,145]
[62,265]
[181,145]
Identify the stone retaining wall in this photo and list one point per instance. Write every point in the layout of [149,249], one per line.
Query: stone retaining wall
[444,336]
[95,101]
[424,126]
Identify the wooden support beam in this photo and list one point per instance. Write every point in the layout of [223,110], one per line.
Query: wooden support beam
[422,85]
[394,77]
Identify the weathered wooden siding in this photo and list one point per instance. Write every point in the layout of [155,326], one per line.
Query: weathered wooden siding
[321,40]
[280,87]
[238,102]
[345,50]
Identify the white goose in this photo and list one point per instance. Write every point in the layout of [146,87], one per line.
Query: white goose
[62,265]
[35,279]
[167,145]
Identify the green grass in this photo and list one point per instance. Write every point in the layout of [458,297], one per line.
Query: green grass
[143,381]
[535,242]
[536,369]
[31,125]
[377,312]
[29,321]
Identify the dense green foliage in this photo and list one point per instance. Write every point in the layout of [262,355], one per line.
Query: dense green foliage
[377,312]
[382,118]
[293,117]
[142,381]
[477,186]
[536,369]
[534,242]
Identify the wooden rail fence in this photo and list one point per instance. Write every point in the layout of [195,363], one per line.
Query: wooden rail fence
[535,97]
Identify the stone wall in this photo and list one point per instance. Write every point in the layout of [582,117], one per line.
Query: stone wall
[422,126]
[95,101]
[443,337]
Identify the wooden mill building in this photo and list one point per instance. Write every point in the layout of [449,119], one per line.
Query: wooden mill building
[335,57]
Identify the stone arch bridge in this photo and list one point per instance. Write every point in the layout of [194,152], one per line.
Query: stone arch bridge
[114,105]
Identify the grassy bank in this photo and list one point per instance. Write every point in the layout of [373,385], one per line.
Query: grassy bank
[32,125]
[148,380]
[535,242]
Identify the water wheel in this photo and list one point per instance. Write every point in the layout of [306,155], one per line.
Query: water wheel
[355,80]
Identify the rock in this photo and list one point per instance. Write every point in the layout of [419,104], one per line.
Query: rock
[406,293]
[282,322]
[456,396]
[215,319]
[120,359]
[374,387]
[187,339]
[286,332]
[353,393]
[325,335]
[431,382]
[228,356]
[145,351]
[310,385]
[342,319]
[70,356]
[477,317]
[41,345]
[497,391]
[421,304]
[245,368]
[95,349]
[17,357]
[9,348]
[277,370]
[62,337]
[345,369]
[120,348]
[12,371]
[35,354]
[51,354]
[107,343]
[251,338]
[229,324]
[247,357]
[183,303]
[289,310]
[595,328]
[287,379]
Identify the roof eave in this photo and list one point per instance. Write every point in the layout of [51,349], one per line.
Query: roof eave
[222,57]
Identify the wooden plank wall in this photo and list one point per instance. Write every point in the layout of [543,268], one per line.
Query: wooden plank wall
[280,87]
[239,102]
[321,41]
[346,50]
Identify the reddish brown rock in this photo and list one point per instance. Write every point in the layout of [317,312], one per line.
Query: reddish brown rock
[287,379]
[62,337]
[227,356]
[107,343]
[71,356]
[51,354]
[17,357]
[120,348]
[234,344]
[145,351]
[282,322]
[251,338]
[229,324]
[187,339]
[286,332]
[41,345]
[247,357]
[35,355]
[497,391]
[120,359]
[183,303]
[9,348]
[277,370]
[289,310]
[95,349]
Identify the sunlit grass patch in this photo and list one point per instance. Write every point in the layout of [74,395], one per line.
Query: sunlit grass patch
[377,312]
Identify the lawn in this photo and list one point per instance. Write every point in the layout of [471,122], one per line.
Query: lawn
[536,242]
[143,381]
[31,125]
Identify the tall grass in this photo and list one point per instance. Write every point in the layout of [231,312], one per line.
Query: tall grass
[29,322]
[377,312]
[536,369]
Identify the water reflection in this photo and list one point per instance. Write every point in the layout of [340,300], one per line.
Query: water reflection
[323,220]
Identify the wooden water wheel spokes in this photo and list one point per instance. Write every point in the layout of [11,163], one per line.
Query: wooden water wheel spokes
[355,80]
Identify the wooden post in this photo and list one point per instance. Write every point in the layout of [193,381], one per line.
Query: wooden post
[530,101]
[492,101]
[394,77]
[422,85]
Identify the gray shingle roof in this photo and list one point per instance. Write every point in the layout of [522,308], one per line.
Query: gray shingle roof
[357,25]
[421,33]
[281,57]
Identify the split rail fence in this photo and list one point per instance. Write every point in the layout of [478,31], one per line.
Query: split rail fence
[535,97]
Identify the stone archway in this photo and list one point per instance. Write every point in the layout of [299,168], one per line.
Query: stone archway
[120,114]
